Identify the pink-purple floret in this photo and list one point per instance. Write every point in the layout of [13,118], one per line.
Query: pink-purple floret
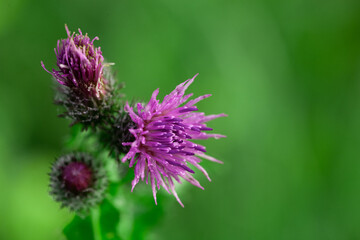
[162,148]
[80,64]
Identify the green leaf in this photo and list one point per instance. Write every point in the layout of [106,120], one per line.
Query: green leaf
[146,215]
[79,229]
[103,221]
[109,221]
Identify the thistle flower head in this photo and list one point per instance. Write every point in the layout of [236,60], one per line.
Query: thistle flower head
[80,65]
[162,148]
[78,182]
[86,87]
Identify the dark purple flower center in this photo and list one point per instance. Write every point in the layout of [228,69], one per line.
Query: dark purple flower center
[77,177]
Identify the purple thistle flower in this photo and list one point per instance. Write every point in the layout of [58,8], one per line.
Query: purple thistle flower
[162,147]
[80,65]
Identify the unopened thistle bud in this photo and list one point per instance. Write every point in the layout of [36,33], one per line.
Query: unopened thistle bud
[117,132]
[85,83]
[78,182]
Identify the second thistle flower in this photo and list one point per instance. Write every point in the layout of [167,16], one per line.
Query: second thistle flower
[80,65]
[85,83]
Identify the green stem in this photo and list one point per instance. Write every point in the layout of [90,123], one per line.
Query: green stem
[95,218]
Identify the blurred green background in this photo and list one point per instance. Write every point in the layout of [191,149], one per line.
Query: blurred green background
[286,72]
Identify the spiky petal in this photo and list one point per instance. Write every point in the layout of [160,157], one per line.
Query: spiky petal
[162,148]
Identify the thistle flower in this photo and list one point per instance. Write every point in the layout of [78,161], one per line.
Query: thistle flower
[78,182]
[86,86]
[80,65]
[162,148]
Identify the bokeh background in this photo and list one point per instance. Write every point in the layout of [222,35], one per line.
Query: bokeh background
[286,72]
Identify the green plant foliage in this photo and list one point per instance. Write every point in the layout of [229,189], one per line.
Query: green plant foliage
[79,228]
[102,224]
[109,220]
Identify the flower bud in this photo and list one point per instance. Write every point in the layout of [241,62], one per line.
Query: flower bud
[116,132]
[78,182]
